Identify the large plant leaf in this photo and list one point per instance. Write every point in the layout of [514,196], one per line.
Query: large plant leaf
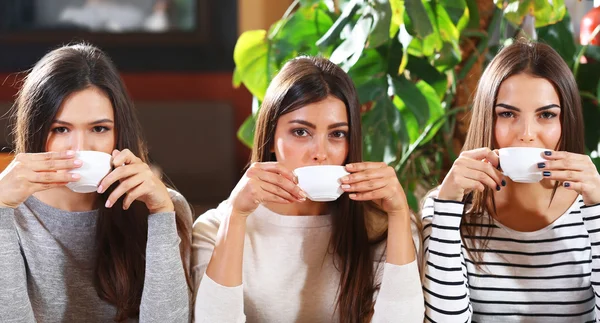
[397,20]
[348,53]
[382,14]
[246,132]
[415,9]
[436,112]
[421,69]
[545,12]
[252,61]
[332,36]
[413,98]
[381,127]
[560,37]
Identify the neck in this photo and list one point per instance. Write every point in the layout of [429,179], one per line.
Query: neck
[64,199]
[530,207]
[299,208]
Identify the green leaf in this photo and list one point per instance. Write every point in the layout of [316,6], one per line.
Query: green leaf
[412,200]
[560,37]
[457,11]
[333,34]
[435,110]
[413,98]
[473,14]
[348,53]
[395,54]
[420,68]
[372,64]
[237,79]
[397,16]
[591,115]
[382,14]
[371,90]
[545,12]
[380,127]
[410,123]
[252,61]
[447,58]
[246,132]
[419,17]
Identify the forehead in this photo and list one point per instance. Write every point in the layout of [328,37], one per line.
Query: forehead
[86,105]
[329,110]
[523,90]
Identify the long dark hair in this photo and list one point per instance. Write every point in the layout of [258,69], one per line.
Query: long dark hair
[300,82]
[535,59]
[121,235]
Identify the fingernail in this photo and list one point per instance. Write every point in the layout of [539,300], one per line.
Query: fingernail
[541,165]
[100,189]
[352,196]
[349,166]
[546,173]
[108,204]
[567,184]
[302,199]
[503,183]
[345,186]
[345,178]
[70,153]
[78,162]
[302,194]
[75,176]
[548,153]
[497,187]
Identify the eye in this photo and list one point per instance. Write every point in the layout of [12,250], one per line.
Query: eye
[339,134]
[60,130]
[100,129]
[547,115]
[506,114]
[301,132]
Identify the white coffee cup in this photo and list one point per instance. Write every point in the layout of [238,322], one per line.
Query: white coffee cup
[96,165]
[321,183]
[520,163]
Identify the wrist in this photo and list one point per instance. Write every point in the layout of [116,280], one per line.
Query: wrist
[169,207]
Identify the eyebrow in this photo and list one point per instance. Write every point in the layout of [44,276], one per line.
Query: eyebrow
[310,125]
[510,107]
[91,123]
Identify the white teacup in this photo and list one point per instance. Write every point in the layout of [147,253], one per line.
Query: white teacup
[96,165]
[321,183]
[520,163]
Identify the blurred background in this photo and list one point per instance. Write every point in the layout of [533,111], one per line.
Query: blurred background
[198,70]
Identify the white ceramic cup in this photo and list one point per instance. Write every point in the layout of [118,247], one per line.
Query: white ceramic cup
[520,163]
[321,183]
[96,165]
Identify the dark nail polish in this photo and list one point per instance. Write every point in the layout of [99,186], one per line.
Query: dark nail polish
[497,187]
[541,165]
[567,184]
[548,153]
[546,173]
[503,183]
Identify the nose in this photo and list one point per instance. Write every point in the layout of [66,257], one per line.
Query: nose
[320,151]
[78,141]
[528,131]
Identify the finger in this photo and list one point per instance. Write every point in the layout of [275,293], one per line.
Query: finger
[483,178]
[267,197]
[134,194]
[120,173]
[477,170]
[472,185]
[564,175]
[357,167]
[366,186]
[54,164]
[481,154]
[51,177]
[493,158]
[370,195]
[124,187]
[275,167]
[125,157]
[278,191]
[281,182]
[52,155]
[367,175]
[39,187]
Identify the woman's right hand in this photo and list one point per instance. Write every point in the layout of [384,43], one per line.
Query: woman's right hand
[30,173]
[267,182]
[473,170]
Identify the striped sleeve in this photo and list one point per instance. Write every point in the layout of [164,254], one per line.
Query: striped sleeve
[445,284]
[591,219]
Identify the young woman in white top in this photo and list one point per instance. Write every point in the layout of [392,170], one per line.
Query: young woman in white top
[268,254]
[502,251]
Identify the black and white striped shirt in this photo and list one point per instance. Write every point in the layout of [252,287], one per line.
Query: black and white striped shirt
[549,275]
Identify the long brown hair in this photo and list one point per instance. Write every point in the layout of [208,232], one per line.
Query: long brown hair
[121,235]
[300,82]
[535,59]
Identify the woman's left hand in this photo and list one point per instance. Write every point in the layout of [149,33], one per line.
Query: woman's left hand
[576,171]
[137,182]
[371,181]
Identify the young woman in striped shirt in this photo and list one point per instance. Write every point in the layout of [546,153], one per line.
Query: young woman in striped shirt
[501,251]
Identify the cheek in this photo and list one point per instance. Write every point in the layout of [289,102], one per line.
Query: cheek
[551,135]
[338,152]
[502,134]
